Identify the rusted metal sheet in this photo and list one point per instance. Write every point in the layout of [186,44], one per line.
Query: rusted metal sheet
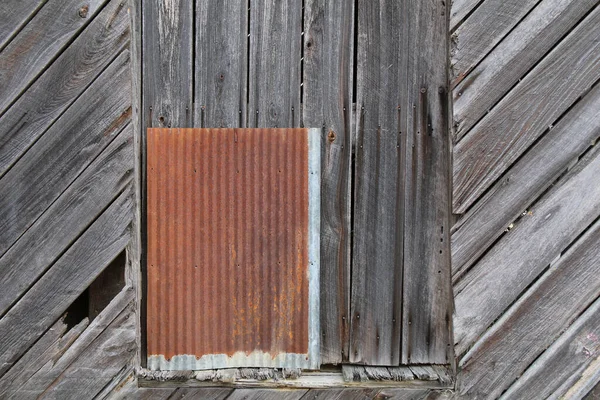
[233,248]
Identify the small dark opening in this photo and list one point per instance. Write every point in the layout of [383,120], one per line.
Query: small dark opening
[78,310]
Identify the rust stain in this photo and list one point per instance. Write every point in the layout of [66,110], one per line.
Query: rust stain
[227,241]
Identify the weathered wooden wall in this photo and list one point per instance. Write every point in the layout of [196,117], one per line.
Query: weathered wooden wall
[524,79]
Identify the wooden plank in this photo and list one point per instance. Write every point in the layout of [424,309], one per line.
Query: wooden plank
[167,29]
[535,321]
[69,276]
[95,367]
[482,31]
[267,394]
[274,80]
[47,349]
[340,394]
[130,390]
[400,283]
[49,167]
[327,102]
[516,260]
[402,394]
[39,42]
[62,83]
[516,54]
[524,182]
[460,10]
[202,393]
[568,357]
[16,14]
[526,112]
[67,218]
[221,64]
[427,292]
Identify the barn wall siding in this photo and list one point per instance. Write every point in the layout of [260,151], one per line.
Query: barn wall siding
[524,246]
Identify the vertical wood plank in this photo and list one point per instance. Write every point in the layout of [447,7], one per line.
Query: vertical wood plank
[376,302]
[167,65]
[327,102]
[427,293]
[275,52]
[401,304]
[221,64]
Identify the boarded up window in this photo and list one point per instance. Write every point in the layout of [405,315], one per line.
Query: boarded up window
[233,248]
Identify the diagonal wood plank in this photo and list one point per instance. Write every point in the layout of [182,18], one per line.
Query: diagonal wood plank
[274,80]
[526,112]
[167,67]
[535,321]
[516,54]
[47,169]
[15,14]
[564,361]
[66,219]
[129,389]
[460,10]
[68,277]
[62,83]
[221,64]
[525,181]
[480,33]
[202,393]
[39,42]
[486,290]
[340,394]
[267,394]
[327,102]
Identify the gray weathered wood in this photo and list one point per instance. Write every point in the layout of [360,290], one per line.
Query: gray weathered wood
[526,112]
[48,348]
[111,281]
[535,321]
[51,371]
[520,50]
[340,394]
[267,394]
[167,69]
[402,394]
[15,14]
[66,219]
[524,182]
[483,30]
[62,83]
[274,80]
[63,283]
[566,359]
[400,282]
[99,363]
[487,289]
[129,390]
[327,103]
[39,42]
[56,159]
[221,64]
[201,393]
[460,10]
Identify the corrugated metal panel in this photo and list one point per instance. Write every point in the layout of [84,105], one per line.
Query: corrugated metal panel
[233,227]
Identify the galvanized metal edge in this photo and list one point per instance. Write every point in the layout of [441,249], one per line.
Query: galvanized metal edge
[314,246]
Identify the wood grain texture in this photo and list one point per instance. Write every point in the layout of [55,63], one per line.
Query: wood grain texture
[103,360]
[221,63]
[483,30]
[62,83]
[267,394]
[460,10]
[15,14]
[327,81]
[402,394]
[516,54]
[565,361]
[69,276]
[400,282]
[48,348]
[516,260]
[49,167]
[50,372]
[535,321]
[128,389]
[167,67]
[66,219]
[39,42]
[340,394]
[525,181]
[201,393]
[526,112]
[274,80]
